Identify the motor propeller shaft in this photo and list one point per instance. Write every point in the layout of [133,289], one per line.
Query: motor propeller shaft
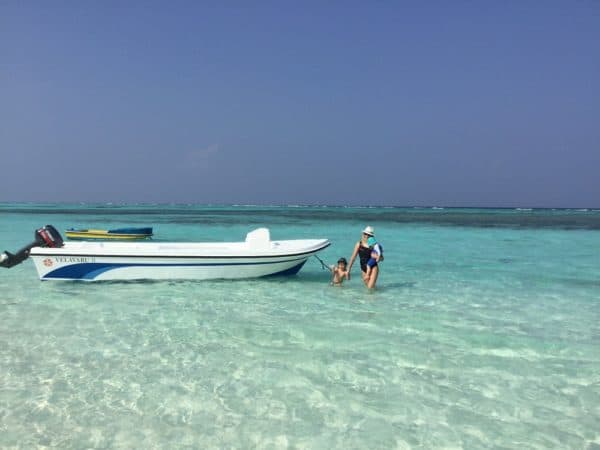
[47,236]
[8,260]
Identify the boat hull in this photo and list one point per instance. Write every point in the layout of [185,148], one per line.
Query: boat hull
[122,261]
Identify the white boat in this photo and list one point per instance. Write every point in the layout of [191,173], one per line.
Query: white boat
[257,256]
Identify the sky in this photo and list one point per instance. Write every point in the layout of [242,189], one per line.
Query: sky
[398,103]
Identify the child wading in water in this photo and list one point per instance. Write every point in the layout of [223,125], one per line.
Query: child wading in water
[340,272]
[376,254]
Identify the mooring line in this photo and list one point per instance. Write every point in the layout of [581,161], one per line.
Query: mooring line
[323,265]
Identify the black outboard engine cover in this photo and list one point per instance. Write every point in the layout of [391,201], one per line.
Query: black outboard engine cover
[47,236]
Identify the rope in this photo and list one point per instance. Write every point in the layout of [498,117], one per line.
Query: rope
[323,265]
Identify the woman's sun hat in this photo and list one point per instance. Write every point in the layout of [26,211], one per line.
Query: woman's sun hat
[369,230]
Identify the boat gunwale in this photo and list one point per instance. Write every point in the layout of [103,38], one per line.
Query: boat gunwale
[42,251]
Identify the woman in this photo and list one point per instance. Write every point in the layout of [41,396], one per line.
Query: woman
[363,251]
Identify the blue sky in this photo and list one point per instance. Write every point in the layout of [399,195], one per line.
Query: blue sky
[371,103]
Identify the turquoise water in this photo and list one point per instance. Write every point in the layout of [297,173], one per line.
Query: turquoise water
[484,332]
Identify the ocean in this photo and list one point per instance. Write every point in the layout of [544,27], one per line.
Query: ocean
[483,332]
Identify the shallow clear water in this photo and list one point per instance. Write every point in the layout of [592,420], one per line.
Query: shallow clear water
[484,332]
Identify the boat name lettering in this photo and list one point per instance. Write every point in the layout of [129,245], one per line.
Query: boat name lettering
[74,259]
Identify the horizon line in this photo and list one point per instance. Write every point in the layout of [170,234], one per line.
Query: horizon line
[304,205]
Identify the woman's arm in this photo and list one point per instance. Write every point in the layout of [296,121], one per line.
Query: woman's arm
[352,258]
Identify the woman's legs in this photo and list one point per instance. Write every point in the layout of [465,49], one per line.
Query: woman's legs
[370,282]
[365,278]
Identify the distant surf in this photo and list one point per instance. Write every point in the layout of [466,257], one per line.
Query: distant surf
[583,218]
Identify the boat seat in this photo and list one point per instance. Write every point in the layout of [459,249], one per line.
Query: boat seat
[259,239]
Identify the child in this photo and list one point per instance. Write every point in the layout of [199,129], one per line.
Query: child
[339,272]
[376,254]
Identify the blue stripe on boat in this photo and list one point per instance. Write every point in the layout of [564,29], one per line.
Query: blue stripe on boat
[89,271]
[291,271]
[130,231]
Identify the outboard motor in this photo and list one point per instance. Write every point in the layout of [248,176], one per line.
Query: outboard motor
[46,236]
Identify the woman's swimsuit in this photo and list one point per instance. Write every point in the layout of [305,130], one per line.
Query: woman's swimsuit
[364,254]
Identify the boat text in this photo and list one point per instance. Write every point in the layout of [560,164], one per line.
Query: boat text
[74,259]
